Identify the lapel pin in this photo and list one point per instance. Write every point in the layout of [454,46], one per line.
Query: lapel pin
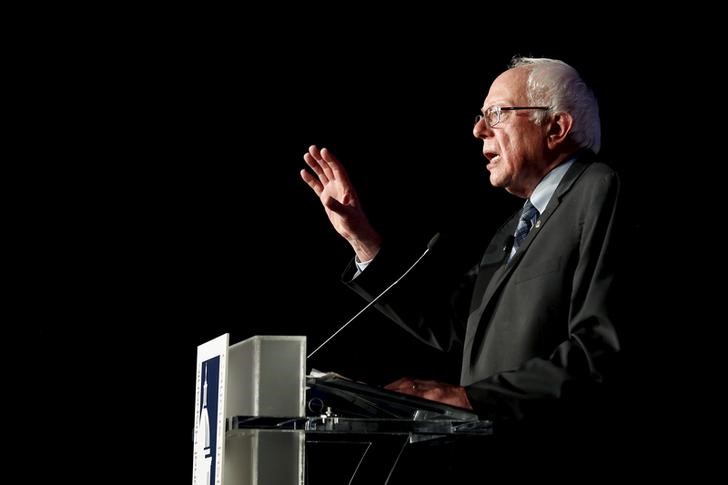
[538,223]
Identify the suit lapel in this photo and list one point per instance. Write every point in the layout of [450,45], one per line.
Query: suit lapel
[502,274]
[564,186]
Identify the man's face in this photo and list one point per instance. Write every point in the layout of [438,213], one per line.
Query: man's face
[515,147]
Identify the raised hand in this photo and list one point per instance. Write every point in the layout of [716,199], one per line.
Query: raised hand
[338,196]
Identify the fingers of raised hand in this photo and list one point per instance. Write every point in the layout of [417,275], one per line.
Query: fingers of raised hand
[321,160]
[317,158]
[315,165]
[333,164]
[312,181]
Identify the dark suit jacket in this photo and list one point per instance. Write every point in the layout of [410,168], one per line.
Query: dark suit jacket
[537,330]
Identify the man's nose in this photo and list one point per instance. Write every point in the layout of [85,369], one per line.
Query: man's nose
[481,129]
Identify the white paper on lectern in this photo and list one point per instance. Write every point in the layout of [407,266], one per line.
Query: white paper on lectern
[209,431]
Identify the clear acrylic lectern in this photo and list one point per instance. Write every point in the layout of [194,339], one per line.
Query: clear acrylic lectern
[259,420]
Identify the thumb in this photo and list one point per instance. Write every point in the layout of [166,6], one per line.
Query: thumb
[335,206]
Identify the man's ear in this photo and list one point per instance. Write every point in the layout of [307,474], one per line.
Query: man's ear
[559,127]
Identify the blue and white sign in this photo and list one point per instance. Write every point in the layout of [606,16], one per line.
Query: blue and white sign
[209,433]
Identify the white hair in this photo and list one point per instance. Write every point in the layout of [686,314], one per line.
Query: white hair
[556,84]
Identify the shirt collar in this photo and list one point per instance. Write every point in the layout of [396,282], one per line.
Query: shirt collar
[547,186]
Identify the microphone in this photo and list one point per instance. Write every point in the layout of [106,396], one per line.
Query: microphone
[430,245]
[507,247]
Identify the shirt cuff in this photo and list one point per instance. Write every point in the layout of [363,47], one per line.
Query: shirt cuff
[361,265]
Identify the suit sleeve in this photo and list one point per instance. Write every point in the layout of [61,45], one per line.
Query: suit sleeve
[431,302]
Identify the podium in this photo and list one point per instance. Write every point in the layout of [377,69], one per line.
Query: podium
[260,420]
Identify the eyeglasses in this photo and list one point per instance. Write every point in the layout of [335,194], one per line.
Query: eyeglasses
[492,115]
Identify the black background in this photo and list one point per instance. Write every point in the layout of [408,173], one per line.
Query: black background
[165,206]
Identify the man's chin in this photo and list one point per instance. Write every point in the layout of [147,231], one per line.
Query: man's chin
[496,181]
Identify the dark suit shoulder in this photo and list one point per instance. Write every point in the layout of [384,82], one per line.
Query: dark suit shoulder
[589,163]
[589,174]
[599,169]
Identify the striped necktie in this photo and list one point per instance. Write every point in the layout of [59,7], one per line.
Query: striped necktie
[525,223]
